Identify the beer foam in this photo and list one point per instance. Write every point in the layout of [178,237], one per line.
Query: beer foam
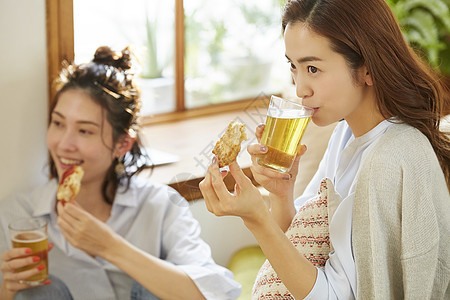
[275,112]
[35,239]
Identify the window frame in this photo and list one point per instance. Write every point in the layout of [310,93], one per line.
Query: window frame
[60,47]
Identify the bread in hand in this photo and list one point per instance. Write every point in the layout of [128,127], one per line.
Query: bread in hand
[229,145]
[70,184]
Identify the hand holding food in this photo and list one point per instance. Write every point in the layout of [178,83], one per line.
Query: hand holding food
[69,185]
[246,201]
[280,184]
[84,231]
[229,145]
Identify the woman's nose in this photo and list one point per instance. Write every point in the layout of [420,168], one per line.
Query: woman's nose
[67,141]
[301,88]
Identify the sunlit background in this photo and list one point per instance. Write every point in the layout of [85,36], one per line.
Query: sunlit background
[233,49]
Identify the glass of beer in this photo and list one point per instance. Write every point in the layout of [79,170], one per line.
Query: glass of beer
[31,233]
[286,123]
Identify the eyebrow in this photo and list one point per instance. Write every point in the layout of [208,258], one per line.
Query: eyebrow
[79,122]
[306,59]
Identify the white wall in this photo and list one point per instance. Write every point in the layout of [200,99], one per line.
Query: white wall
[225,235]
[23,86]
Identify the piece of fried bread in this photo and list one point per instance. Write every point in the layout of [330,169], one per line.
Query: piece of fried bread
[229,145]
[70,184]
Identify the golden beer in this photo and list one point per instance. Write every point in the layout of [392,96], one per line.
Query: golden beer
[36,239]
[282,137]
[285,125]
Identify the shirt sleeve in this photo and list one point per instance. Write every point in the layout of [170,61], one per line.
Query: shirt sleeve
[183,247]
[320,288]
[327,164]
[337,279]
[313,186]
[331,282]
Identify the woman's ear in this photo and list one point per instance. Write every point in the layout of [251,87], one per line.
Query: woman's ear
[367,77]
[124,145]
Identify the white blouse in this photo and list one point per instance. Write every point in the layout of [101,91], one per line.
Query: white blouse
[153,217]
[341,163]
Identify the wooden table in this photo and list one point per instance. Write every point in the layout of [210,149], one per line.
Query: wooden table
[192,140]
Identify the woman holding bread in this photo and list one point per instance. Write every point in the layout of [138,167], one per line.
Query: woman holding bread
[383,183]
[122,237]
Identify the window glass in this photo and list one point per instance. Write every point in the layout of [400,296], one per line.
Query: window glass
[148,27]
[234,50]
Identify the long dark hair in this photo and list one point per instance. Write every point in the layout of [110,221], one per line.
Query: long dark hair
[108,81]
[366,33]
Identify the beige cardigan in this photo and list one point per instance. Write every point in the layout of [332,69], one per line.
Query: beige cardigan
[401,220]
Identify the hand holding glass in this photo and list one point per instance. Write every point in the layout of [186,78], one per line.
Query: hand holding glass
[32,233]
[286,123]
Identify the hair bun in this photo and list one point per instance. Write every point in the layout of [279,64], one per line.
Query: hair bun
[121,60]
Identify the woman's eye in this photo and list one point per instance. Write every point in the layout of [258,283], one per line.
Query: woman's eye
[312,69]
[56,123]
[84,131]
[291,65]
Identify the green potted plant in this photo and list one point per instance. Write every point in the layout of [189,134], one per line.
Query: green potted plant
[426,26]
[157,90]
[153,64]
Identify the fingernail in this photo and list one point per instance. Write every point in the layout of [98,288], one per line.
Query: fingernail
[287,176]
[47,282]
[41,267]
[263,148]
[36,258]
[51,244]
[260,126]
[214,160]
[28,251]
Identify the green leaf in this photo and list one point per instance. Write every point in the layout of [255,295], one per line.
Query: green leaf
[437,8]
[425,25]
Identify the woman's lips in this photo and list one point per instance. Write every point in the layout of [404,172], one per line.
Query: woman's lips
[69,161]
[311,107]
[66,163]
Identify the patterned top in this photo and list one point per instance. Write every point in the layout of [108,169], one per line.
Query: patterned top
[309,233]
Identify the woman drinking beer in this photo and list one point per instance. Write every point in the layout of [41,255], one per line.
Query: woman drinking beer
[383,183]
[124,237]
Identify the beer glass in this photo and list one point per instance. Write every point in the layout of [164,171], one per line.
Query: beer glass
[31,233]
[286,122]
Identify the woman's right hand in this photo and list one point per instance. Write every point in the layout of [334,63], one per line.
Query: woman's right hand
[281,185]
[11,260]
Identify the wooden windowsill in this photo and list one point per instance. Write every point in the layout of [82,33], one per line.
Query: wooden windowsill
[192,140]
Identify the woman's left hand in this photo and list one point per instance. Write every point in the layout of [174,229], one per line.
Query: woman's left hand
[83,231]
[246,201]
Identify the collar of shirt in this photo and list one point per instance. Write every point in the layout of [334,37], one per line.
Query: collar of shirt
[128,199]
[370,135]
[353,155]
[40,206]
